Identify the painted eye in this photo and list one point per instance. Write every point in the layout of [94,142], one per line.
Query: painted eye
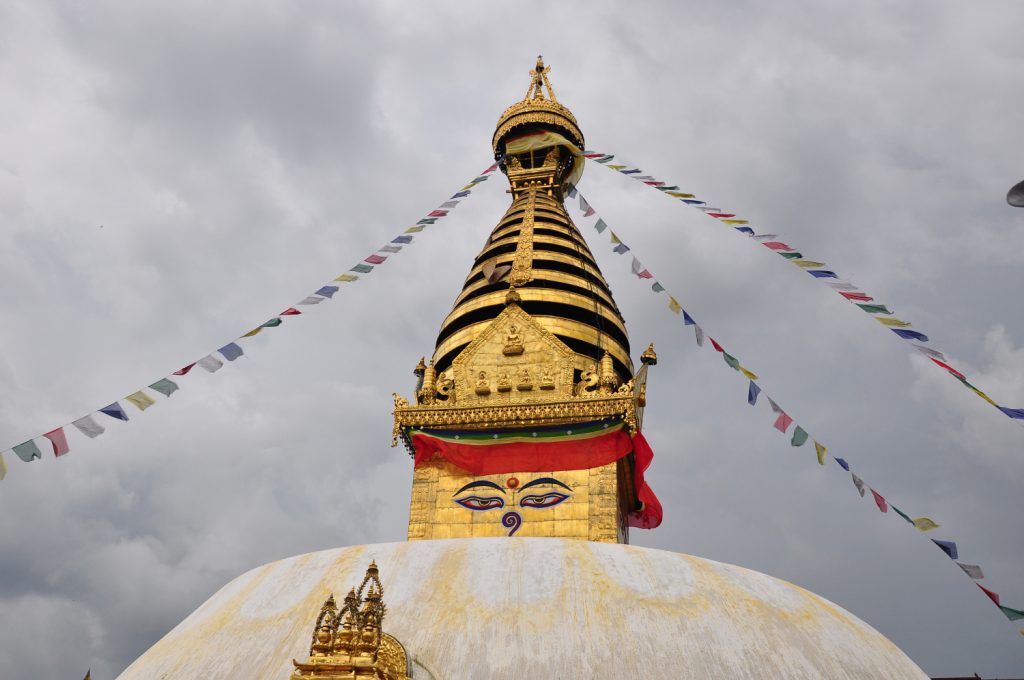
[480,502]
[547,500]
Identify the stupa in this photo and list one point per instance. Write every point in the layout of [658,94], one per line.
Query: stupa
[525,429]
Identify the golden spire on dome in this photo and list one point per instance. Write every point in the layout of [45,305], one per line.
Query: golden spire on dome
[540,81]
[535,109]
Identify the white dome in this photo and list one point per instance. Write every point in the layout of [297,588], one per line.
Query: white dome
[533,607]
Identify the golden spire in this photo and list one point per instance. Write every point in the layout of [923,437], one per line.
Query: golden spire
[540,80]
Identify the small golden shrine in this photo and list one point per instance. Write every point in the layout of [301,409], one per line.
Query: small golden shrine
[349,642]
[522,421]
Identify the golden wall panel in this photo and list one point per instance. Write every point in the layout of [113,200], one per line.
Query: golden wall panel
[580,504]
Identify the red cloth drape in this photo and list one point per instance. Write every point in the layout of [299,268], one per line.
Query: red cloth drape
[492,459]
[650,514]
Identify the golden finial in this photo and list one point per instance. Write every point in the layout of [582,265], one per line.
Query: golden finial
[649,356]
[420,367]
[512,297]
[350,643]
[539,81]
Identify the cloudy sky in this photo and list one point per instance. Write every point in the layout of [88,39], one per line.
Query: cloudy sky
[173,174]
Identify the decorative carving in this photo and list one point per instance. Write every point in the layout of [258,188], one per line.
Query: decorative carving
[504,383]
[514,344]
[522,264]
[588,381]
[483,386]
[607,380]
[525,381]
[547,379]
[350,643]
[445,385]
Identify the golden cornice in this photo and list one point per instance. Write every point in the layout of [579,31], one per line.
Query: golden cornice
[514,414]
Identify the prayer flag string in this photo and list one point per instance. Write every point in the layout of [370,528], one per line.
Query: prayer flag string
[816,269]
[57,438]
[798,436]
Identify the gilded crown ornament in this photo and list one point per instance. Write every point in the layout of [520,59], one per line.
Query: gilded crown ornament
[348,642]
[536,108]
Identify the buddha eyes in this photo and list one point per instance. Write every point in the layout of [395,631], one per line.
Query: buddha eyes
[546,500]
[480,502]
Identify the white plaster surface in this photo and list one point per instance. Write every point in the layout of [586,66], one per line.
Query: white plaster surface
[533,607]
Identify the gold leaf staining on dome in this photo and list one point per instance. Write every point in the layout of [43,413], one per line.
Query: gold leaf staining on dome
[349,642]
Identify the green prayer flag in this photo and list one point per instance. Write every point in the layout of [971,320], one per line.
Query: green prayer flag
[901,513]
[657,287]
[799,436]
[732,361]
[165,387]
[600,225]
[273,323]
[28,451]
[362,268]
[874,309]
[1011,613]
[792,256]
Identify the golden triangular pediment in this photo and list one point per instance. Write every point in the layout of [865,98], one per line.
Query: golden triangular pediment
[514,359]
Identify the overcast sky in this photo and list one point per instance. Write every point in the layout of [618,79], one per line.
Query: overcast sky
[171,176]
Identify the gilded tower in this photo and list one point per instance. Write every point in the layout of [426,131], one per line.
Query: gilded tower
[526,421]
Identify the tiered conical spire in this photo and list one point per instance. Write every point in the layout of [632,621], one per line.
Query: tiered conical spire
[536,249]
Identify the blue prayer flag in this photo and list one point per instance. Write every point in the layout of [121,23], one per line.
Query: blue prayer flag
[404,238]
[115,411]
[691,201]
[572,191]
[752,393]
[745,230]
[1013,412]
[327,291]
[620,249]
[843,464]
[688,320]
[948,547]
[461,194]
[231,351]
[910,335]
[630,172]
[822,274]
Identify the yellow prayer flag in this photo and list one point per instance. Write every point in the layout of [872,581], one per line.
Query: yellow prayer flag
[925,523]
[674,305]
[253,332]
[141,400]
[748,374]
[808,264]
[345,278]
[821,451]
[984,396]
[676,194]
[895,323]
[3,467]
[616,167]
[734,221]
[615,239]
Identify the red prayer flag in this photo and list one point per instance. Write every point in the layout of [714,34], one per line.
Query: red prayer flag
[880,502]
[437,213]
[375,259]
[991,595]
[645,274]
[291,311]
[654,183]
[949,368]
[713,214]
[860,297]
[714,343]
[59,441]
[491,169]
[186,369]
[776,245]
[783,422]
[594,155]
